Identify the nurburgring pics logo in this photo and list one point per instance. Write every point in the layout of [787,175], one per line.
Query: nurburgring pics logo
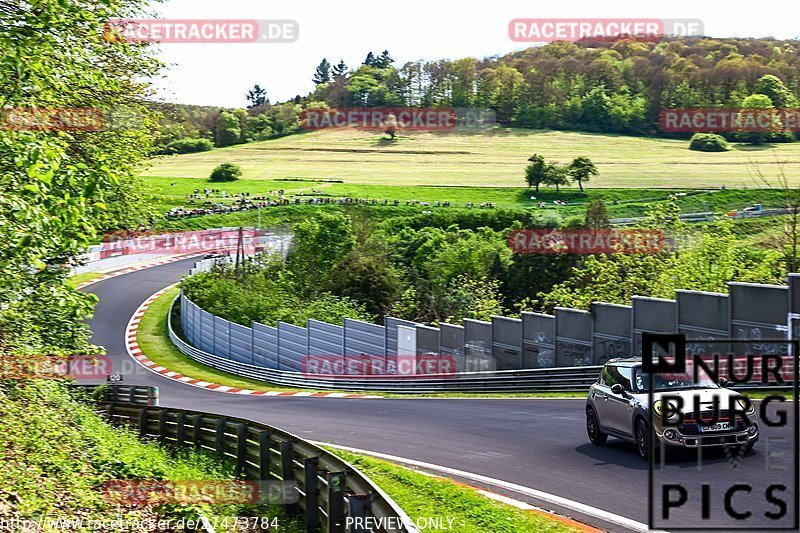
[545,30]
[729,120]
[745,450]
[201,31]
[398,118]
[586,241]
[378,366]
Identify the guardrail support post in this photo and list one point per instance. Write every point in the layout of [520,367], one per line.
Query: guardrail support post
[143,422]
[197,431]
[132,395]
[181,421]
[287,471]
[264,456]
[110,412]
[162,426]
[221,422]
[310,471]
[336,483]
[359,503]
[241,448]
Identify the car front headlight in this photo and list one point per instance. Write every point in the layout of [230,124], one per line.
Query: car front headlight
[746,406]
[658,407]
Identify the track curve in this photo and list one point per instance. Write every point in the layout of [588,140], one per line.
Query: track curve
[537,443]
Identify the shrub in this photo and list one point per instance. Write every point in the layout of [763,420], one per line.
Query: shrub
[708,142]
[226,172]
[188,146]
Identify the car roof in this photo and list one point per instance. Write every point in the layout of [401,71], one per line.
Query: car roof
[625,361]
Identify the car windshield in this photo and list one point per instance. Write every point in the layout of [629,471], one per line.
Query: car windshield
[673,381]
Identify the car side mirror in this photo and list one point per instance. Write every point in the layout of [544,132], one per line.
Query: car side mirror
[723,382]
[616,388]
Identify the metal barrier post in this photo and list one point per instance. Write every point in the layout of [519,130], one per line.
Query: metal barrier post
[359,504]
[162,426]
[310,471]
[143,422]
[197,431]
[287,471]
[220,443]
[181,420]
[241,448]
[336,484]
[264,455]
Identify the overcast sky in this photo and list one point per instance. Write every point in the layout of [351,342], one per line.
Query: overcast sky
[221,74]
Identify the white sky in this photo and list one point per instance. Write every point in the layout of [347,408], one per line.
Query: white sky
[221,74]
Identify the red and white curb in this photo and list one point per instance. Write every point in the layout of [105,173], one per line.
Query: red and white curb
[134,269]
[135,352]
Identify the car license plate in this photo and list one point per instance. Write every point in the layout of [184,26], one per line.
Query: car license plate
[719,426]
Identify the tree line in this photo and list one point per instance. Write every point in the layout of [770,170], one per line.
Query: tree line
[605,86]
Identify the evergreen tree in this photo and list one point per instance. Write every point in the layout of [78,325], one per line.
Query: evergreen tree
[322,74]
[257,97]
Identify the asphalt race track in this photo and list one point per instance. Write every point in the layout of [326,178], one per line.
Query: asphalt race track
[538,444]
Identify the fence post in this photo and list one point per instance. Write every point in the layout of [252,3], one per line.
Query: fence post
[287,471]
[197,429]
[143,422]
[264,455]
[310,468]
[132,395]
[181,420]
[336,482]
[110,412]
[359,503]
[162,426]
[241,448]
[220,443]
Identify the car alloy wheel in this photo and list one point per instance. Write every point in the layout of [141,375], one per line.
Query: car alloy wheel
[596,437]
[642,438]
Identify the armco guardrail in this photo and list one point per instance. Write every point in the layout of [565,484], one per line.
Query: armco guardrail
[545,379]
[132,394]
[330,490]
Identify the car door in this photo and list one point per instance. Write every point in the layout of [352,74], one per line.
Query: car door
[602,392]
[618,409]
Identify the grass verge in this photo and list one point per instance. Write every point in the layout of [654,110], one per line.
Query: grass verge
[83,277]
[425,497]
[153,338]
[58,454]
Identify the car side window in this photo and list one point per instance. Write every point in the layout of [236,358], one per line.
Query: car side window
[612,375]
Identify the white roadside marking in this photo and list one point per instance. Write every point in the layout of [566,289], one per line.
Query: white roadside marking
[566,503]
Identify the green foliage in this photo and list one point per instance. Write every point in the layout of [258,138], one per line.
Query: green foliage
[228,129]
[708,142]
[264,291]
[597,214]
[536,172]
[581,169]
[58,189]
[318,243]
[188,146]
[59,453]
[703,260]
[226,172]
